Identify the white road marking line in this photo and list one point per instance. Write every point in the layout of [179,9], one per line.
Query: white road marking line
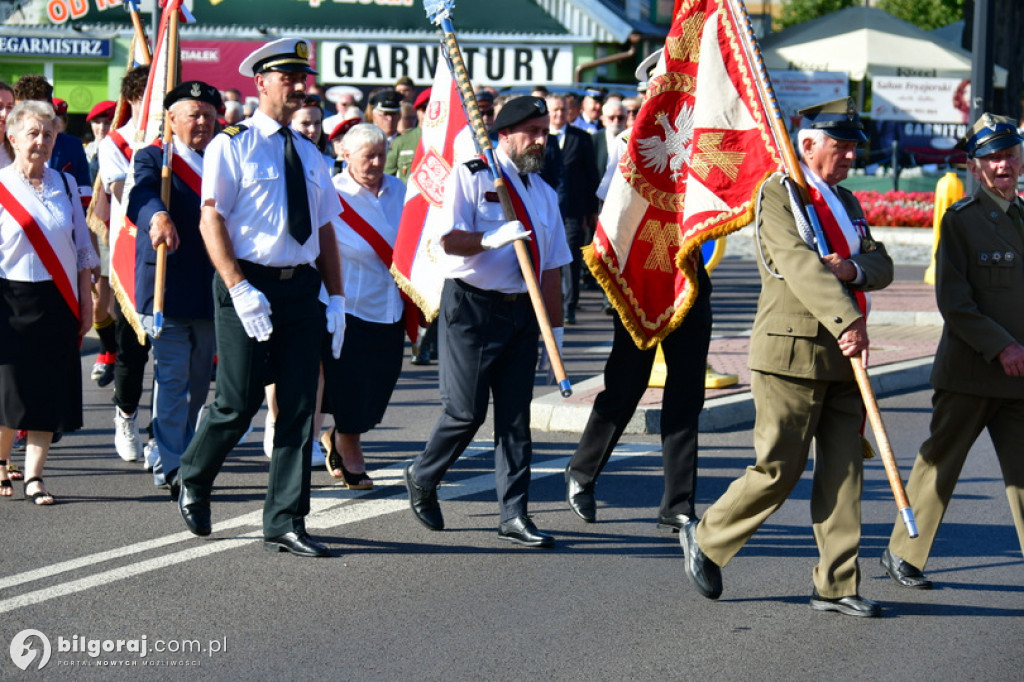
[326,511]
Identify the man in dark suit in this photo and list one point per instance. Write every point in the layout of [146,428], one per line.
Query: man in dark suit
[185,345]
[978,373]
[613,119]
[578,198]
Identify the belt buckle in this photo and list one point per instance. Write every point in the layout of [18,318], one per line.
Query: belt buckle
[286,273]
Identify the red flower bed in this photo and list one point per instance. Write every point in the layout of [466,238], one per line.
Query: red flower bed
[898,209]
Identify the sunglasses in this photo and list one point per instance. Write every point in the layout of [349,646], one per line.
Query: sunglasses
[620,117]
[312,101]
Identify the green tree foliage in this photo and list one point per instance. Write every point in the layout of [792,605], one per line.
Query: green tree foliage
[798,11]
[926,14]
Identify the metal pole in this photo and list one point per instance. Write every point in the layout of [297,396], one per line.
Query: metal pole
[982,64]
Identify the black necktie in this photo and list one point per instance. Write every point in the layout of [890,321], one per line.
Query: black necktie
[299,222]
[1017,215]
[525,177]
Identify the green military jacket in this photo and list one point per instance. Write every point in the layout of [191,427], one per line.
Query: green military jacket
[401,153]
[803,308]
[979,286]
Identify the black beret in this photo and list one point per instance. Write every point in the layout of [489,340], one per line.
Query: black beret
[517,110]
[194,90]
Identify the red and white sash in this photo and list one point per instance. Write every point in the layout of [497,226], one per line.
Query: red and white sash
[22,204]
[842,235]
[184,167]
[385,252]
[523,216]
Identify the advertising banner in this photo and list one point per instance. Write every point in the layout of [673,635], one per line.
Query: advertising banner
[796,90]
[926,100]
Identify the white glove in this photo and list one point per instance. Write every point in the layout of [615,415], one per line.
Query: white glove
[253,310]
[545,362]
[336,323]
[503,236]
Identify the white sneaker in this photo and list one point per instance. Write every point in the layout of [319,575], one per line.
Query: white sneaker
[126,436]
[317,459]
[151,451]
[268,438]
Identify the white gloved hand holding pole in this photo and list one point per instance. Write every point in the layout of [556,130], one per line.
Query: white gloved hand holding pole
[504,235]
[336,323]
[253,310]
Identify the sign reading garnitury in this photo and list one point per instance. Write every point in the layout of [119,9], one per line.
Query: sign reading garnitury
[95,48]
[383,63]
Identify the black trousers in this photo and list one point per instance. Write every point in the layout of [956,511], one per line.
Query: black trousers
[130,365]
[625,379]
[574,235]
[488,344]
[292,357]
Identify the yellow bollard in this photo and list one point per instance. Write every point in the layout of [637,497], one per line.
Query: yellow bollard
[948,191]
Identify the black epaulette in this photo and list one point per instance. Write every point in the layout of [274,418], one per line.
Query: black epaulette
[233,130]
[476,165]
[963,203]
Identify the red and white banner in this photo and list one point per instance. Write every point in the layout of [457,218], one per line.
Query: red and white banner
[700,148]
[151,126]
[420,263]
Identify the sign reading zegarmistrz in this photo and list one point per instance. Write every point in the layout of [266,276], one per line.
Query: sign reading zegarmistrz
[384,63]
[28,46]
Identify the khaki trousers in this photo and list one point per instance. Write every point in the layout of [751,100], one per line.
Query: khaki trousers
[790,412]
[957,421]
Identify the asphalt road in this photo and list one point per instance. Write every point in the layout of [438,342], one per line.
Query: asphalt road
[113,561]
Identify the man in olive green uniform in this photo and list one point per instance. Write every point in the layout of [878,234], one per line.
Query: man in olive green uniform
[978,372]
[403,148]
[809,323]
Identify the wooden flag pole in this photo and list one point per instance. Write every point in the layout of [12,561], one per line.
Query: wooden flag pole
[778,126]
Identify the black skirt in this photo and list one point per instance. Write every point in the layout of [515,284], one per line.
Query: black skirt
[40,364]
[359,384]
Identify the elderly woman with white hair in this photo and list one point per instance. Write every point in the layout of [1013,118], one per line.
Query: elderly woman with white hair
[45,261]
[358,385]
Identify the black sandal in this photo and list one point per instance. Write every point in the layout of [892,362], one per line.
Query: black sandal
[353,481]
[333,457]
[34,497]
[5,484]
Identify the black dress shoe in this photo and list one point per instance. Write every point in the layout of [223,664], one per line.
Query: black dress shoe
[423,502]
[903,573]
[580,498]
[854,605]
[298,543]
[673,522]
[521,531]
[704,573]
[195,511]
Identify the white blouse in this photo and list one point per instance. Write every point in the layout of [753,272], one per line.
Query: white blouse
[61,220]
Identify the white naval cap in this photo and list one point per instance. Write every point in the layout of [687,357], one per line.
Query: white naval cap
[286,54]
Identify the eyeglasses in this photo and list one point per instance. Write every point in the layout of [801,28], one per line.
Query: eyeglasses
[620,117]
[312,101]
[632,112]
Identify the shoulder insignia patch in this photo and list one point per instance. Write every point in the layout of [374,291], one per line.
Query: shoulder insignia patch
[963,203]
[476,165]
[233,130]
